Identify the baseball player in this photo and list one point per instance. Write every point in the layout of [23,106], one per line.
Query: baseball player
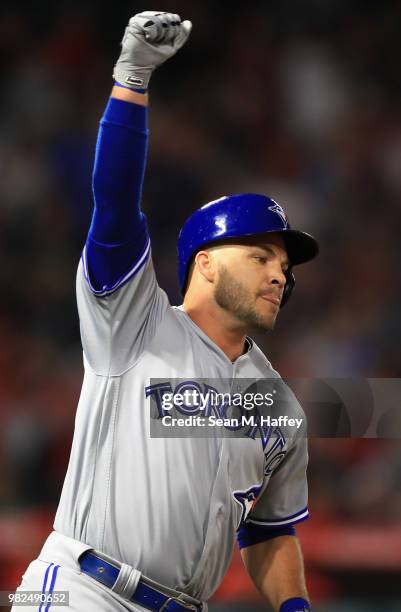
[145,522]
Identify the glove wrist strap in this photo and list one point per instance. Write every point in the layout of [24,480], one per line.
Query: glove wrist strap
[137,89]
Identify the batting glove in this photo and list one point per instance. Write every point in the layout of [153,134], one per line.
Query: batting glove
[150,39]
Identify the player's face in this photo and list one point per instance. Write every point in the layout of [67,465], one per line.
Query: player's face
[251,280]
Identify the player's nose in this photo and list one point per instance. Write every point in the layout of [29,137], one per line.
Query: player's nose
[277,275]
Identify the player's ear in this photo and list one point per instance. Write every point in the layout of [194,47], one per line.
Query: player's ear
[206,265]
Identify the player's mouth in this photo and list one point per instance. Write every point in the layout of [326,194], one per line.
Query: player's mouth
[274,299]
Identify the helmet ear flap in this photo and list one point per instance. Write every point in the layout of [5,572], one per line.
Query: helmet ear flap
[289,286]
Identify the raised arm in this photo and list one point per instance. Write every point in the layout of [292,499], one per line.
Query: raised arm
[119,301]
[118,239]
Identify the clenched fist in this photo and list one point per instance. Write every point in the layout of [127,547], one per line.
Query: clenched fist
[150,39]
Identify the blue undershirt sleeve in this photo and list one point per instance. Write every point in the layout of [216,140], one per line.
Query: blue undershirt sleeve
[250,534]
[118,239]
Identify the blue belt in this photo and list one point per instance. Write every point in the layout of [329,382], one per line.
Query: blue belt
[144,595]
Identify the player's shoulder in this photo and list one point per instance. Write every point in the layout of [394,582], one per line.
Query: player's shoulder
[261,362]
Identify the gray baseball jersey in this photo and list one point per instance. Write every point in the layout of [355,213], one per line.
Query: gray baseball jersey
[170,507]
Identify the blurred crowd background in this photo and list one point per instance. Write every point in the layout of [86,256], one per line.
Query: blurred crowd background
[297,99]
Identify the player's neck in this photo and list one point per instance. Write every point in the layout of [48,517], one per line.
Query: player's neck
[217,324]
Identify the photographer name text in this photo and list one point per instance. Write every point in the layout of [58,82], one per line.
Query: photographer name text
[243,421]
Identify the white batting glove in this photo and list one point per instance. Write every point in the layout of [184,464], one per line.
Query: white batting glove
[150,39]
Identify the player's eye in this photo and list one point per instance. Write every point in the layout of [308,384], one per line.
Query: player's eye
[260,258]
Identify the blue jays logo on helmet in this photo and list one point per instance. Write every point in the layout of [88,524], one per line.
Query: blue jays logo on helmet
[279,210]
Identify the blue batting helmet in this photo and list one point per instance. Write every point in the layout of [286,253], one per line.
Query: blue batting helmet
[238,216]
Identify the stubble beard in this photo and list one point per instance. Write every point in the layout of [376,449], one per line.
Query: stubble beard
[233,296]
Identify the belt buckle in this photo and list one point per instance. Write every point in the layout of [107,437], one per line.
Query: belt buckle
[184,604]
